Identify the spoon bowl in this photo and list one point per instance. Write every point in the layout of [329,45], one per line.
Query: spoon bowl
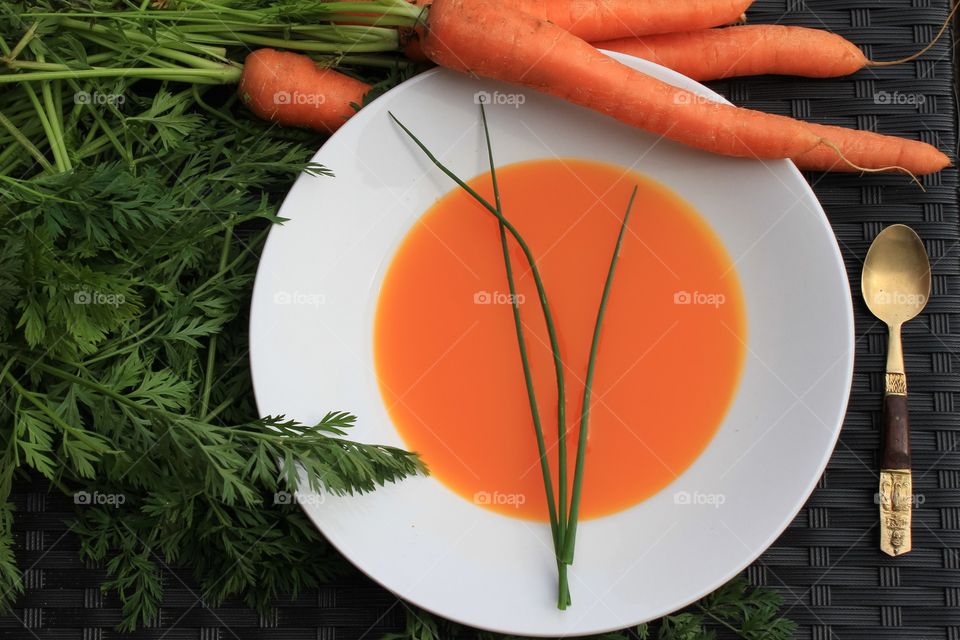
[896,275]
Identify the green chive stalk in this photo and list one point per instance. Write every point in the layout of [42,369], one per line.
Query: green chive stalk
[560,532]
[556,523]
[571,539]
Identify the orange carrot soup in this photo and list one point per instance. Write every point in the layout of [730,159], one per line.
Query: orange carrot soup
[670,354]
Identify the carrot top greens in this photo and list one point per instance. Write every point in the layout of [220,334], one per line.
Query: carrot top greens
[133,215]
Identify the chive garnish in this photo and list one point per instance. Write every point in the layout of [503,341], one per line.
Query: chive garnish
[556,522]
[571,538]
[563,528]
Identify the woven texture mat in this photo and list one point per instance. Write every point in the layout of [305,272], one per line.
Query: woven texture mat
[827,565]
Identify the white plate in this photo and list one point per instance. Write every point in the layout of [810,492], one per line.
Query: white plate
[311,333]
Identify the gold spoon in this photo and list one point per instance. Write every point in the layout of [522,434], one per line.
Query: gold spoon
[896,285]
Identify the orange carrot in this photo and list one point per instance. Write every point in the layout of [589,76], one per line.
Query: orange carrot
[870,151]
[490,38]
[595,20]
[292,90]
[711,54]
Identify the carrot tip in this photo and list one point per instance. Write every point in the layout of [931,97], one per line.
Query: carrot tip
[913,176]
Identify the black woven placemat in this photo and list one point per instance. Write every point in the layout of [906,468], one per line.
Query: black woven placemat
[836,583]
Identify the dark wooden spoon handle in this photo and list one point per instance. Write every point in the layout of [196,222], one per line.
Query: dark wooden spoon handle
[896,425]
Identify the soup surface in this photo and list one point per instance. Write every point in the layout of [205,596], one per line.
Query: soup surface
[670,355]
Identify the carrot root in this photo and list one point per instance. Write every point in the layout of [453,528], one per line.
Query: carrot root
[914,56]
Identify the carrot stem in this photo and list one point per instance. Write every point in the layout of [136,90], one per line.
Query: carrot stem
[385,20]
[389,42]
[571,538]
[23,42]
[119,48]
[47,129]
[323,32]
[399,9]
[140,38]
[24,142]
[53,117]
[226,75]
[383,62]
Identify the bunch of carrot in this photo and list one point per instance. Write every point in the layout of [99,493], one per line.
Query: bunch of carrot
[546,45]
[198,42]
